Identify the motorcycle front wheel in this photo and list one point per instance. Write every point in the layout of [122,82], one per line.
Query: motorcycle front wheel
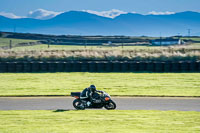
[78,104]
[110,105]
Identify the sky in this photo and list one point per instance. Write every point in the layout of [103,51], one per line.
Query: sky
[24,7]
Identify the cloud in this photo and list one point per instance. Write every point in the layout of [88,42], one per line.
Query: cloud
[109,14]
[133,12]
[161,13]
[9,15]
[42,14]
[37,14]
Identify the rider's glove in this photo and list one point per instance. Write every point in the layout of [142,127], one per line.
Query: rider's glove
[100,91]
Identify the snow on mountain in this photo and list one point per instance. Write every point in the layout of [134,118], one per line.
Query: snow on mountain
[42,14]
[109,14]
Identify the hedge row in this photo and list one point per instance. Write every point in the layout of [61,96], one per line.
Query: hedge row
[99,66]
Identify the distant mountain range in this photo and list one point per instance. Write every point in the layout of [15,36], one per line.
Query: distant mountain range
[84,23]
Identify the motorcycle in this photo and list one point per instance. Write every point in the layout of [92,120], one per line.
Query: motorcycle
[101,100]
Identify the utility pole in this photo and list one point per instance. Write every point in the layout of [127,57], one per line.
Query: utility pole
[10,44]
[85,44]
[160,39]
[122,43]
[189,31]
[48,43]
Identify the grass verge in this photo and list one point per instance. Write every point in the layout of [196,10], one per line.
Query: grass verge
[121,84]
[162,54]
[101,121]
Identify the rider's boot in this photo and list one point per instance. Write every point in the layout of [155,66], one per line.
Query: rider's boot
[88,103]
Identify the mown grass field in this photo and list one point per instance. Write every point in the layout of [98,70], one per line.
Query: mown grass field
[122,84]
[78,47]
[191,38]
[41,52]
[6,41]
[99,121]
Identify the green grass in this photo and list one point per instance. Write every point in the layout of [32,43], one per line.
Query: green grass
[74,52]
[99,121]
[124,84]
[78,47]
[191,38]
[6,41]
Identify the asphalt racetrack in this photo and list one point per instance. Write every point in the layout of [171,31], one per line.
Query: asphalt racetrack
[123,103]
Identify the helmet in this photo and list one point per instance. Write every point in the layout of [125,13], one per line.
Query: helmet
[92,88]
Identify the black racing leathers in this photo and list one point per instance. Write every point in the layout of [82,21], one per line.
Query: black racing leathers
[87,94]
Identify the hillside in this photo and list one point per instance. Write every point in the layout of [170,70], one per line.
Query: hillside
[83,23]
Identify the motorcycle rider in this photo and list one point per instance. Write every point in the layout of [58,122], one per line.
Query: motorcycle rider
[87,94]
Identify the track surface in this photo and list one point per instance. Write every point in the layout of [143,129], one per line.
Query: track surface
[65,103]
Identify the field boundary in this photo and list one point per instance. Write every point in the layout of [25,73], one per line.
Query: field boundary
[99,66]
[114,96]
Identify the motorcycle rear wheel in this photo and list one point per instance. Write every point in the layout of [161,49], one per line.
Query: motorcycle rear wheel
[110,105]
[78,104]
